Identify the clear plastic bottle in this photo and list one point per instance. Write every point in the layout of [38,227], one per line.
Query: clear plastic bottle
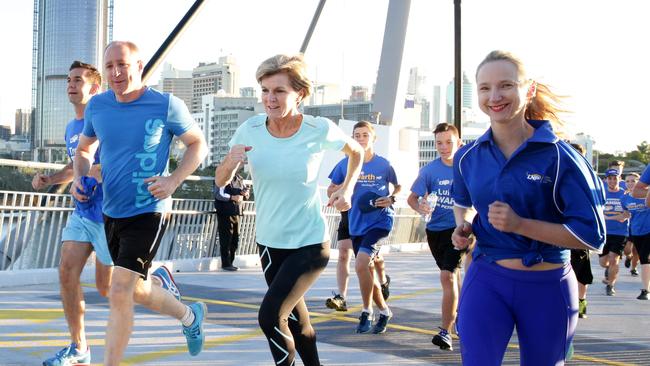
[431,200]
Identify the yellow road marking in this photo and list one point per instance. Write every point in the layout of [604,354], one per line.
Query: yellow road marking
[47,314]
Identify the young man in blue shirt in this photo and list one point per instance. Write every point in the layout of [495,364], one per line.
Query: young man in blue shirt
[641,189]
[639,232]
[616,219]
[436,178]
[84,231]
[135,125]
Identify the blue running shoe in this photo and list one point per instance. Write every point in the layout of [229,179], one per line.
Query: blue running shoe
[167,281]
[69,356]
[380,326]
[365,323]
[194,333]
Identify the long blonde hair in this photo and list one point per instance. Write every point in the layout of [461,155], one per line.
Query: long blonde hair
[543,104]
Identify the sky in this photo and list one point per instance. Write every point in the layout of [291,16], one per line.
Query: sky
[593,52]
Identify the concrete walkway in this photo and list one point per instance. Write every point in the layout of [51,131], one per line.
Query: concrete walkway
[32,325]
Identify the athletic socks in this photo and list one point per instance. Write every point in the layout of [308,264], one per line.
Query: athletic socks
[188,318]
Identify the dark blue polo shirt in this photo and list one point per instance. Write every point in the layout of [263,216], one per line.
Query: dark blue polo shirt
[544,179]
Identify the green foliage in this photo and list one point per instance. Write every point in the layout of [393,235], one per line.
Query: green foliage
[16,179]
[631,158]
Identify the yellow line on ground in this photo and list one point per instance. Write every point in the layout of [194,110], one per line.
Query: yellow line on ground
[601,360]
[209,343]
[222,302]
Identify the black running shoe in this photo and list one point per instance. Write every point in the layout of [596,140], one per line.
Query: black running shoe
[643,295]
[385,290]
[443,340]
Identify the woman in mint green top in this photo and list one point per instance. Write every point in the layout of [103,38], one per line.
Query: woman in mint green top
[284,150]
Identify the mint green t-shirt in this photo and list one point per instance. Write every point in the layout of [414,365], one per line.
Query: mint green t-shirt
[285,179]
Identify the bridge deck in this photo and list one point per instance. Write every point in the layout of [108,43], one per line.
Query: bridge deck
[32,325]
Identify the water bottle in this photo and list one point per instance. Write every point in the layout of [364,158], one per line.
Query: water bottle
[431,199]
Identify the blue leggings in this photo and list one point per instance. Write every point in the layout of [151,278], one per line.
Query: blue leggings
[542,305]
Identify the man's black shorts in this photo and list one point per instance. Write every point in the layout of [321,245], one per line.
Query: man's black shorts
[642,244]
[133,241]
[344,228]
[614,244]
[582,266]
[446,256]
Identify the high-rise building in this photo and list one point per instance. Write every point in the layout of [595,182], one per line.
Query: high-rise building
[353,111]
[467,96]
[435,105]
[325,93]
[219,119]
[5,132]
[211,78]
[248,92]
[359,94]
[23,122]
[63,31]
[177,82]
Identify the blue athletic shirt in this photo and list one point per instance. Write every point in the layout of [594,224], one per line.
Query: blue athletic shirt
[640,220]
[135,139]
[614,206]
[91,210]
[544,179]
[285,177]
[436,177]
[374,177]
[645,177]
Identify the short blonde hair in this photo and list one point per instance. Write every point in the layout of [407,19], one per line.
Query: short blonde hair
[130,45]
[293,65]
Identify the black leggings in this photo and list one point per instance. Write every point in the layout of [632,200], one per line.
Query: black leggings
[283,315]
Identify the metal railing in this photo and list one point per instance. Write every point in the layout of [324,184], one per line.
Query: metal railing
[31,224]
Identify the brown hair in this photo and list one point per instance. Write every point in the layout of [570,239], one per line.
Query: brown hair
[93,75]
[635,175]
[581,149]
[293,65]
[444,127]
[620,163]
[543,104]
[365,124]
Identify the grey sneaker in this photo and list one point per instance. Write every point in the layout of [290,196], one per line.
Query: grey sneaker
[643,295]
[610,291]
[337,303]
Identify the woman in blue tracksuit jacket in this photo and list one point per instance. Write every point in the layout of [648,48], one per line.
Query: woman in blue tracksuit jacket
[534,197]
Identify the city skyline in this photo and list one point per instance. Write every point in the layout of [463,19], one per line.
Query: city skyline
[580,56]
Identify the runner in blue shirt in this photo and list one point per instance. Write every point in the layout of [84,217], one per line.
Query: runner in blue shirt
[640,233]
[630,252]
[344,246]
[370,220]
[436,178]
[135,125]
[617,230]
[641,188]
[535,197]
[84,231]
[284,149]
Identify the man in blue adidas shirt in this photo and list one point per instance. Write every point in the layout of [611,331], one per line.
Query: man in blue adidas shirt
[436,178]
[135,125]
[616,221]
[84,231]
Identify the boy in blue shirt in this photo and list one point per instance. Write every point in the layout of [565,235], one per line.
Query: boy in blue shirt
[639,232]
[371,219]
[436,178]
[135,125]
[616,219]
[641,188]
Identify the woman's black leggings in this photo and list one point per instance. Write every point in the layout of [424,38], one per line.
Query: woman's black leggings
[283,315]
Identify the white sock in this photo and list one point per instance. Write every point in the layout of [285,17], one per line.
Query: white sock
[385,312]
[188,318]
[369,311]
